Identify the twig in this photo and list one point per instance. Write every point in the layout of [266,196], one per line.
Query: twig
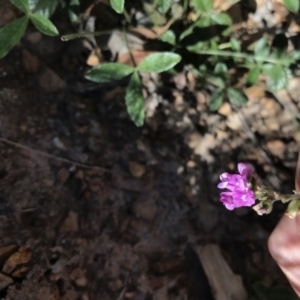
[239,55]
[83,34]
[128,47]
[45,154]
[126,16]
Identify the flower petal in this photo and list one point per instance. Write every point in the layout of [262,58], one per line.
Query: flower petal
[245,169]
[222,185]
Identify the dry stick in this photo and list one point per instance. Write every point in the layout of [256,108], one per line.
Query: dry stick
[128,48]
[45,154]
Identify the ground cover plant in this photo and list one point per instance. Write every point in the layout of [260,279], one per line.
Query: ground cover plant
[207,34]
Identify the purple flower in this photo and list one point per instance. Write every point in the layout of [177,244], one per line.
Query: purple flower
[239,192]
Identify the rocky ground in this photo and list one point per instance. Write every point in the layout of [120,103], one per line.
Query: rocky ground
[92,207]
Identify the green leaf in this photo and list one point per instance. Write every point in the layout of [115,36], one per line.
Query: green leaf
[277,76]
[236,96]
[11,33]
[216,100]
[203,5]
[168,37]
[201,23]
[221,19]
[43,24]
[235,45]
[73,9]
[134,100]
[292,5]
[117,5]
[45,8]
[261,49]
[217,81]
[294,56]
[253,75]
[164,5]
[21,5]
[220,68]
[197,48]
[108,72]
[159,62]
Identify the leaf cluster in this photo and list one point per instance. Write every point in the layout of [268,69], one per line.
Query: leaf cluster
[36,11]
[224,53]
[222,63]
[156,62]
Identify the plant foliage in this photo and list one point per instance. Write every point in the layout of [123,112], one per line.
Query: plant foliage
[12,33]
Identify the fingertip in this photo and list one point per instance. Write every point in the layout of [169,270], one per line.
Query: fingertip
[297,175]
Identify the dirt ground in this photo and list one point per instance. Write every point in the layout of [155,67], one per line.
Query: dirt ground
[92,207]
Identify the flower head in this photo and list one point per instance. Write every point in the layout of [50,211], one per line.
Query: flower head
[239,192]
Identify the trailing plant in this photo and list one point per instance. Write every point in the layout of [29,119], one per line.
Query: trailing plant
[208,35]
[222,63]
[156,62]
[35,11]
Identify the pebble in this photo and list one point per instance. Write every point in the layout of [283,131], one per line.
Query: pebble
[225,109]
[276,147]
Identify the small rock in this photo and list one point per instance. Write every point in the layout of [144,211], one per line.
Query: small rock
[70,223]
[58,267]
[255,92]
[129,295]
[22,256]
[78,276]
[5,281]
[34,37]
[225,109]
[81,282]
[194,140]
[191,164]
[200,97]
[6,251]
[145,209]
[50,81]
[30,62]
[180,80]
[63,175]
[136,169]
[7,16]
[19,273]
[59,144]
[180,170]
[234,122]
[48,182]
[269,108]
[192,180]
[115,285]
[272,124]
[95,58]
[70,295]
[178,102]
[23,127]
[276,147]
[202,145]
[95,184]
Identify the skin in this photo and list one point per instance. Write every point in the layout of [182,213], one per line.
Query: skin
[284,243]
